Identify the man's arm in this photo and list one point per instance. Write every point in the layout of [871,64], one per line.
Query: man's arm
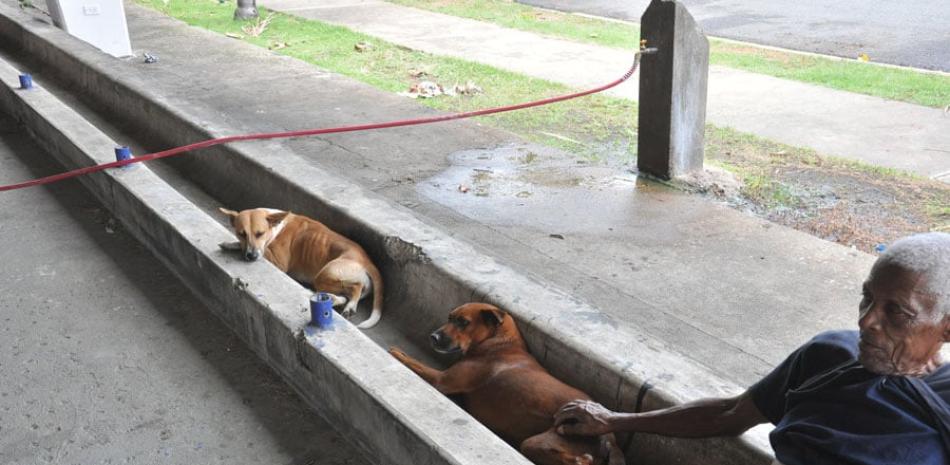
[701,418]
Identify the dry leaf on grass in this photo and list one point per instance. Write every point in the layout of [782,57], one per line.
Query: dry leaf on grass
[234,35]
[424,89]
[259,26]
[419,72]
[363,47]
[468,89]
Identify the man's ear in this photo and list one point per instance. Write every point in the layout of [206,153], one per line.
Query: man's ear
[493,316]
[231,214]
[275,218]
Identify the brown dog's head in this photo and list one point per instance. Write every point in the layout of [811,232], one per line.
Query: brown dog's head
[468,326]
[255,228]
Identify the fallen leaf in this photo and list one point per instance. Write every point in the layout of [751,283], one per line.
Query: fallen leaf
[258,28]
[419,72]
[468,89]
[278,45]
[864,57]
[234,35]
[424,89]
[363,47]
[555,236]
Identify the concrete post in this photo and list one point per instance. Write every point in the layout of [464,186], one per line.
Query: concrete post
[672,91]
[246,9]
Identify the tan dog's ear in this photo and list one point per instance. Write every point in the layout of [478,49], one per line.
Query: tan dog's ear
[275,218]
[493,316]
[231,213]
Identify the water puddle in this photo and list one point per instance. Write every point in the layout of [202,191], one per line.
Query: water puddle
[536,186]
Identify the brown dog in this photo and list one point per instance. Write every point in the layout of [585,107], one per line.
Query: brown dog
[310,253]
[506,389]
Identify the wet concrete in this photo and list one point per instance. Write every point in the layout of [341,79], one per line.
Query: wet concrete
[528,185]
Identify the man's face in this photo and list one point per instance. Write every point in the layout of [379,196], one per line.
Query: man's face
[901,331]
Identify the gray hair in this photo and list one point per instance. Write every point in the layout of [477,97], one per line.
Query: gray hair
[927,254]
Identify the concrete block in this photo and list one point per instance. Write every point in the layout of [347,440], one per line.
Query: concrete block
[672,115]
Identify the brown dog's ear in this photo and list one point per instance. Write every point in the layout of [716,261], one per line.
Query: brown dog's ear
[493,316]
[231,213]
[275,218]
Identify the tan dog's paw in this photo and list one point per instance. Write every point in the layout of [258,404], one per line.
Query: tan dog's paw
[230,246]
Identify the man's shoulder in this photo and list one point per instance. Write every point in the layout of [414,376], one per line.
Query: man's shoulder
[835,342]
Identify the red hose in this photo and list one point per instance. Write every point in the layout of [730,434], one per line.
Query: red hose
[312,132]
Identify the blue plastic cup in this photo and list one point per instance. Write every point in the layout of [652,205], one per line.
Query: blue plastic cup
[123,153]
[26,81]
[321,310]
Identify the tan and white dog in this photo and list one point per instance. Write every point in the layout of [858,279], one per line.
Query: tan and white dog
[310,253]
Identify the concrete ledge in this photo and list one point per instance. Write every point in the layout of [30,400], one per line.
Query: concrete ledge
[388,411]
[427,272]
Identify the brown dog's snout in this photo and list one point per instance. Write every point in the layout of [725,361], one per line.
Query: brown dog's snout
[442,342]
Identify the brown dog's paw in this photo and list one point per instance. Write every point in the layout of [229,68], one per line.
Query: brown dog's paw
[398,353]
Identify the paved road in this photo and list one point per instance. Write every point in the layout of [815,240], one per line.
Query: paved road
[910,33]
[106,358]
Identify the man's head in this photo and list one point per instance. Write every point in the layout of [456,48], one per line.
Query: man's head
[255,228]
[905,309]
[469,325]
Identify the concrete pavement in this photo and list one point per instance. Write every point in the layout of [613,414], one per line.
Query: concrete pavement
[105,357]
[870,129]
[909,33]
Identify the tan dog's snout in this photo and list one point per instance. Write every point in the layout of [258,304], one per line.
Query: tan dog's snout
[251,254]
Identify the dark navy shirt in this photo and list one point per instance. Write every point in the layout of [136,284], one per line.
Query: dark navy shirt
[829,411]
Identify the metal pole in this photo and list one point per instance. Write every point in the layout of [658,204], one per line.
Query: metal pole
[246,9]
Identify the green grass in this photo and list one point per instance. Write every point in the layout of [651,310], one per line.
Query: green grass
[593,121]
[851,75]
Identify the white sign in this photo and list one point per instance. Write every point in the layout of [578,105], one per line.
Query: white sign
[98,22]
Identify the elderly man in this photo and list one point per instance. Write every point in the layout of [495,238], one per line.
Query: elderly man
[874,397]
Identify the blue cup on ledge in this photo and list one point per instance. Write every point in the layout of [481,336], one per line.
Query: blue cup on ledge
[26,81]
[321,310]
[123,153]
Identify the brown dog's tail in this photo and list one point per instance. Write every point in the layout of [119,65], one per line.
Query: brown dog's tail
[377,313]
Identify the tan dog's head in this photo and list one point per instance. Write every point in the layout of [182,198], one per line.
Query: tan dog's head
[469,325]
[255,228]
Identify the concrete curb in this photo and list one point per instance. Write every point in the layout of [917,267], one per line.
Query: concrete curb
[427,272]
[389,412]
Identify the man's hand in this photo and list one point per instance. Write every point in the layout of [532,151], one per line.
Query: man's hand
[583,418]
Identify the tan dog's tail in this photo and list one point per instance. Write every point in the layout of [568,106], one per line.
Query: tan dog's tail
[377,313]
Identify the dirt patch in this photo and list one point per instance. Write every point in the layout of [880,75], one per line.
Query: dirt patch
[836,200]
